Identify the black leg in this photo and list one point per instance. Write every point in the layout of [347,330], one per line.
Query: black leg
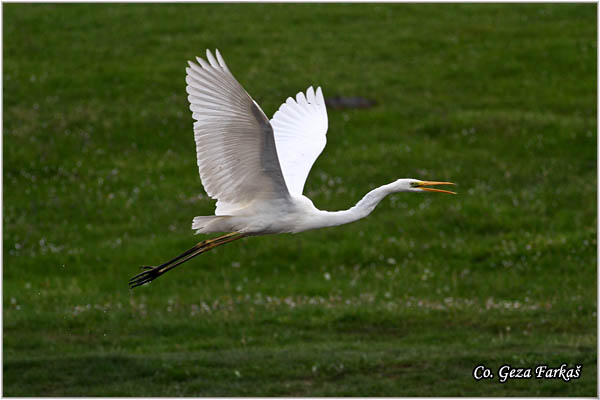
[150,273]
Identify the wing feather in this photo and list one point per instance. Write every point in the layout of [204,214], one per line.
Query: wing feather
[300,128]
[235,144]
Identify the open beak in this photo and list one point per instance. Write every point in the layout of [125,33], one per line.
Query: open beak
[428,183]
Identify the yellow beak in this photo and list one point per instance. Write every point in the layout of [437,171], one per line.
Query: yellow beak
[428,183]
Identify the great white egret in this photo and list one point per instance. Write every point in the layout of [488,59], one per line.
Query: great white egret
[256,168]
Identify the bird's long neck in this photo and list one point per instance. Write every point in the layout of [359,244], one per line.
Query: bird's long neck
[363,208]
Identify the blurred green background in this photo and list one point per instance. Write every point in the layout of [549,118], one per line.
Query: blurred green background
[100,177]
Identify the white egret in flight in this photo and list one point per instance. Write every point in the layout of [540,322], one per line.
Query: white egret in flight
[256,168]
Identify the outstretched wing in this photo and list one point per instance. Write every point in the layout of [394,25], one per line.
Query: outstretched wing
[300,135]
[235,145]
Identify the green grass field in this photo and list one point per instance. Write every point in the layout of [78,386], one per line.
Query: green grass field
[100,177]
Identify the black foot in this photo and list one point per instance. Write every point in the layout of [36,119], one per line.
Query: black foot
[147,276]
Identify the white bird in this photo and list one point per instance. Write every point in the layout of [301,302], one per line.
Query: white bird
[256,168]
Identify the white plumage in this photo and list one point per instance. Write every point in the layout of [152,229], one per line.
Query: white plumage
[255,168]
[234,141]
[300,127]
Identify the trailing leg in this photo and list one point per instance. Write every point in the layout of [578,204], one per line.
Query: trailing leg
[152,273]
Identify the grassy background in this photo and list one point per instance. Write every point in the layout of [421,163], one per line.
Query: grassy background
[100,177]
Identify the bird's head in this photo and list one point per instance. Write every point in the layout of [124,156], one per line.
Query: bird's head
[415,185]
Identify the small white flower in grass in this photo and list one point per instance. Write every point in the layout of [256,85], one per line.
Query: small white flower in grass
[237,373]
[327,276]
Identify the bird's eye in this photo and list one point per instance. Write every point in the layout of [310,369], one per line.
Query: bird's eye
[414,184]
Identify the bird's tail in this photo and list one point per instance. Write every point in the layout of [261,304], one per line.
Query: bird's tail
[152,273]
[211,224]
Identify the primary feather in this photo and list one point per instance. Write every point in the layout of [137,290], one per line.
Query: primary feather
[235,146]
[300,134]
